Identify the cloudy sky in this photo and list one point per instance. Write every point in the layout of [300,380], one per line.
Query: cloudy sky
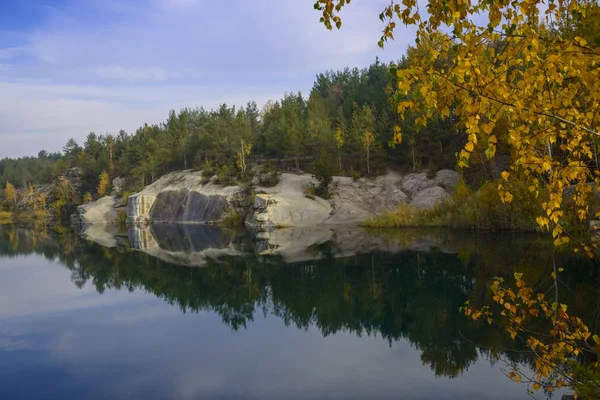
[69,67]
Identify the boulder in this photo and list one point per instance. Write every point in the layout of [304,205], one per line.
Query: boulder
[101,211]
[413,183]
[429,198]
[447,179]
[117,186]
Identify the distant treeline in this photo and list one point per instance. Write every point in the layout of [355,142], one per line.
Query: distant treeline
[348,118]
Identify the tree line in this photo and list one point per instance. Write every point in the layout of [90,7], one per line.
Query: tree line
[347,120]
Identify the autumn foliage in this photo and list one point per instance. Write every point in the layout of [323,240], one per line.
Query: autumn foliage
[556,348]
[532,65]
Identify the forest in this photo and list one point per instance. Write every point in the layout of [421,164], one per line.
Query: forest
[346,115]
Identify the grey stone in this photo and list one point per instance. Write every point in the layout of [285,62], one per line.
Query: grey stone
[447,179]
[117,186]
[416,182]
[102,211]
[429,198]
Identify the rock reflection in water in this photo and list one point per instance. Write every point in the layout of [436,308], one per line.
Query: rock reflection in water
[185,244]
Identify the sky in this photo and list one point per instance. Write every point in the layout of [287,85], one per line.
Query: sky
[70,67]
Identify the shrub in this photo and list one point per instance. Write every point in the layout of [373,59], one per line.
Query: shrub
[355,175]
[461,191]
[268,175]
[323,171]
[310,191]
[226,175]
[485,210]
[208,171]
[87,198]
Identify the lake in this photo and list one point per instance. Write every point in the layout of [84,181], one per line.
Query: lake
[195,312]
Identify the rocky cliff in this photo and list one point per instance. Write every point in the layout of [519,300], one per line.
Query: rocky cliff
[182,198]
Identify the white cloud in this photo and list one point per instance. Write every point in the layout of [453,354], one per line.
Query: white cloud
[106,65]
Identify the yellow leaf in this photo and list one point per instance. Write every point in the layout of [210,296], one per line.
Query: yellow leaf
[469,147]
[518,275]
[505,175]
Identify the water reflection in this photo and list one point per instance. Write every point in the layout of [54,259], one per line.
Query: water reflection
[399,286]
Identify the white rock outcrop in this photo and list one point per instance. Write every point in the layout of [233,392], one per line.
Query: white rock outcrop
[182,198]
[285,205]
[101,211]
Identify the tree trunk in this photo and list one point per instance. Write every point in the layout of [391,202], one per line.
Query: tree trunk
[413,158]
[242,158]
[368,166]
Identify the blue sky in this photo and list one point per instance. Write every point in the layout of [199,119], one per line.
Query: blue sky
[69,67]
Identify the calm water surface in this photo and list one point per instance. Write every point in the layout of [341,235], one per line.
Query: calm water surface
[199,313]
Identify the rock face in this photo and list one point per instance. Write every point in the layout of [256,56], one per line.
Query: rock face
[101,211]
[181,197]
[184,244]
[285,205]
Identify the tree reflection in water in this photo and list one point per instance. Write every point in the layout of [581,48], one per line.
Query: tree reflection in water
[405,285]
